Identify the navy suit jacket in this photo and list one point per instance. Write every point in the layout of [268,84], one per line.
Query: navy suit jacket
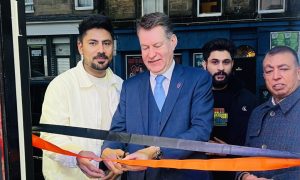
[187,114]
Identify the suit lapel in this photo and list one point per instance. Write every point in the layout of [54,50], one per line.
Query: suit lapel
[175,87]
[144,88]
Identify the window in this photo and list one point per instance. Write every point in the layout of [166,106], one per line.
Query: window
[271,6]
[180,7]
[206,8]
[245,51]
[62,53]
[150,6]
[286,38]
[29,6]
[121,9]
[84,4]
[197,60]
[37,54]
[134,65]
[239,6]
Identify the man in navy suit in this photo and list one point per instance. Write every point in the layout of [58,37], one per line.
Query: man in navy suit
[184,111]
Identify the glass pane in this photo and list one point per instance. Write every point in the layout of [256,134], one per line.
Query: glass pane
[197,60]
[150,6]
[180,7]
[62,49]
[271,4]
[245,51]
[29,1]
[84,3]
[45,60]
[63,64]
[36,55]
[28,8]
[208,6]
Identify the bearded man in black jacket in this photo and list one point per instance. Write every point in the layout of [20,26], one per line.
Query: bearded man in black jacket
[233,103]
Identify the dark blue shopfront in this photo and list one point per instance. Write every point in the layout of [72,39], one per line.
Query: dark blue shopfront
[191,37]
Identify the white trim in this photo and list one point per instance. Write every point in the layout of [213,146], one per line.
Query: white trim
[91,7]
[208,14]
[142,11]
[264,11]
[52,28]
[15,36]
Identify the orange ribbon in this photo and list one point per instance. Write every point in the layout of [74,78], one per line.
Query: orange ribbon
[224,164]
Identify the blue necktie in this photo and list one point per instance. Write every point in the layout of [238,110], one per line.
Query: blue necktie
[159,92]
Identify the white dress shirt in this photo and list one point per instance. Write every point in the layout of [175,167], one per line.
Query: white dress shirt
[166,82]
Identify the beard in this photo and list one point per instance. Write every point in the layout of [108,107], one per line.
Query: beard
[220,83]
[100,65]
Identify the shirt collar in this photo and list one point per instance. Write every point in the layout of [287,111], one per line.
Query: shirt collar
[287,103]
[273,101]
[167,74]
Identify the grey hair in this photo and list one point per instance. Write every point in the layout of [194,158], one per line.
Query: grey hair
[149,21]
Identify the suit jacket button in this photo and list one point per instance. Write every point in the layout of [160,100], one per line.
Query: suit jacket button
[272,113]
[264,146]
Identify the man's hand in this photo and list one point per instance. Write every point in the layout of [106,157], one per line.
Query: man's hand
[249,176]
[219,141]
[143,154]
[110,154]
[110,176]
[87,167]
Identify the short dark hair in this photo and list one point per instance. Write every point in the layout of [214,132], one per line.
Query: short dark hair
[95,21]
[283,49]
[219,44]
[149,21]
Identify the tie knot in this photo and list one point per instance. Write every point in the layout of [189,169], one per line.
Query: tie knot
[159,79]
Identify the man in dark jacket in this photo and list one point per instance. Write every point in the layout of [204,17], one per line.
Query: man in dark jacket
[233,103]
[275,123]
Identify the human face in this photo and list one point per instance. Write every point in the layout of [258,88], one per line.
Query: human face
[157,49]
[97,50]
[219,64]
[282,74]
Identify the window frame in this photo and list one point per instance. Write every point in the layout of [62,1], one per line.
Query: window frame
[91,7]
[208,14]
[266,11]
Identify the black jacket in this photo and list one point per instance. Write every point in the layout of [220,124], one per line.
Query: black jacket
[241,103]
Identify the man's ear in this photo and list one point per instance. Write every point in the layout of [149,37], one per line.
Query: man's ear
[204,64]
[298,73]
[79,46]
[174,41]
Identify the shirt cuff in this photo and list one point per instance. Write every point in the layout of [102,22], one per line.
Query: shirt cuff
[240,175]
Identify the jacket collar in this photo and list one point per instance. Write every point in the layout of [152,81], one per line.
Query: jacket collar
[286,104]
[290,101]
